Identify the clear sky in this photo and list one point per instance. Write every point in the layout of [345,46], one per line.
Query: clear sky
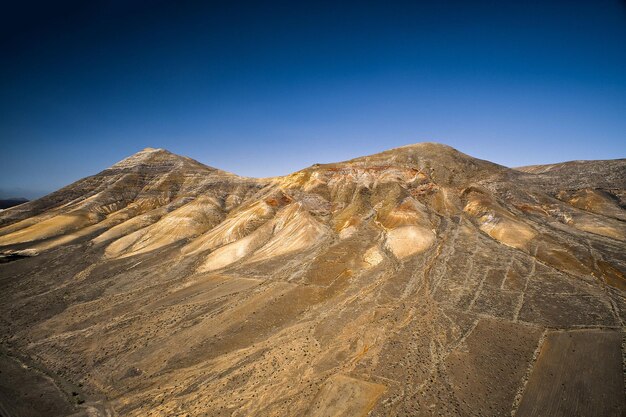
[266,88]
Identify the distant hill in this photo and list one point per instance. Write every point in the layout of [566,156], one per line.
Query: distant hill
[10,202]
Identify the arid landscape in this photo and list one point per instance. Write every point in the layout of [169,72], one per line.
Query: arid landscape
[419,281]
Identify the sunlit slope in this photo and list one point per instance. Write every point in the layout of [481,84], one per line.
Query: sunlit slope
[130,195]
[416,281]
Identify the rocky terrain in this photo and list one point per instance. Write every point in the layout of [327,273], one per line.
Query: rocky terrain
[415,282]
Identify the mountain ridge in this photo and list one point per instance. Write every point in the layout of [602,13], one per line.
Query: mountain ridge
[412,280]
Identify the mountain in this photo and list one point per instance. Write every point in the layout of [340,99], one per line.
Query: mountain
[417,281]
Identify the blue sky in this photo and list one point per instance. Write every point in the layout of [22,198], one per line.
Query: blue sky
[266,88]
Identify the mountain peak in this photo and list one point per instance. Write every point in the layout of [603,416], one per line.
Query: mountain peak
[446,165]
[417,246]
[158,158]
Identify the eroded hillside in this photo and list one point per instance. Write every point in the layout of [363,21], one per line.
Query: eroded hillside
[417,281]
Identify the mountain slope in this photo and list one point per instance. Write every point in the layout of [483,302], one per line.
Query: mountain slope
[417,281]
[151,183]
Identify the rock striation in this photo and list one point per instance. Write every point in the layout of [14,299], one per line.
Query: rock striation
[417,281]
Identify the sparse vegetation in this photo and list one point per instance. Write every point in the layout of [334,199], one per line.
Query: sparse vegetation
[417,281]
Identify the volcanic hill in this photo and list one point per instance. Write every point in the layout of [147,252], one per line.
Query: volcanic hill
[415,282]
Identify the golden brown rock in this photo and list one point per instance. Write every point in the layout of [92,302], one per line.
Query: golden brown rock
[418,281]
